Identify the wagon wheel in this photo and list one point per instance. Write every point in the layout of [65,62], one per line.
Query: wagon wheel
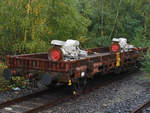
[45,80]
[117,70]
[7,74]
[80,86]
[55,54]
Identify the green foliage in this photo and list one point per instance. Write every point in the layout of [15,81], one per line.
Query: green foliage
[28,26]
[98,42]
[17,82]
[26,21]
[32,21]
[20,82]
[37,46]
[66,21]
[31,47]
[146,62]
[133,16]
[140,41]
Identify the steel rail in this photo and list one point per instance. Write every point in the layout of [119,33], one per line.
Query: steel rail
[57,101]
[71,97]
[20,99]
[49,105]
[141,107]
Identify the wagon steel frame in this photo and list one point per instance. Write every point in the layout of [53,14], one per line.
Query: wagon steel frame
[105,61]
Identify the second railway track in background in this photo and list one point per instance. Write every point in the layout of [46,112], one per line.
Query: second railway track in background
[53,97]
[143,108]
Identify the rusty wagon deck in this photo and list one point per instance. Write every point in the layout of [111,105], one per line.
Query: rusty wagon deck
[101,60]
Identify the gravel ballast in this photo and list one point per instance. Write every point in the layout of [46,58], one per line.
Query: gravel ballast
[8,95]
[121,96]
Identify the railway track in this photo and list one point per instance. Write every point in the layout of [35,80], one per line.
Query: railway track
[36,102]
[55,97]
[143,108]
[50,104]
[20,99]
[29,99]
[94,84]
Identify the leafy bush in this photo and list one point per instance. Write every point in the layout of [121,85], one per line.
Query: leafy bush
[37,46]
[19,48]
[146,62]
[140,41]
[5,46]
[33,46]
[98,42]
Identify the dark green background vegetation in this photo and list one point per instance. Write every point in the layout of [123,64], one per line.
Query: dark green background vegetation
[28,26]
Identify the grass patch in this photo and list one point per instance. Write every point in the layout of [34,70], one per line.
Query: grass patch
[17,81]
[3,83]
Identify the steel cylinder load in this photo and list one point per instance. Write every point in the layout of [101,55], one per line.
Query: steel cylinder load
[120,45]
[66,50]
[69,50]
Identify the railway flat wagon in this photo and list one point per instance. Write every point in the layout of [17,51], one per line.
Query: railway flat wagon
[66,63]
